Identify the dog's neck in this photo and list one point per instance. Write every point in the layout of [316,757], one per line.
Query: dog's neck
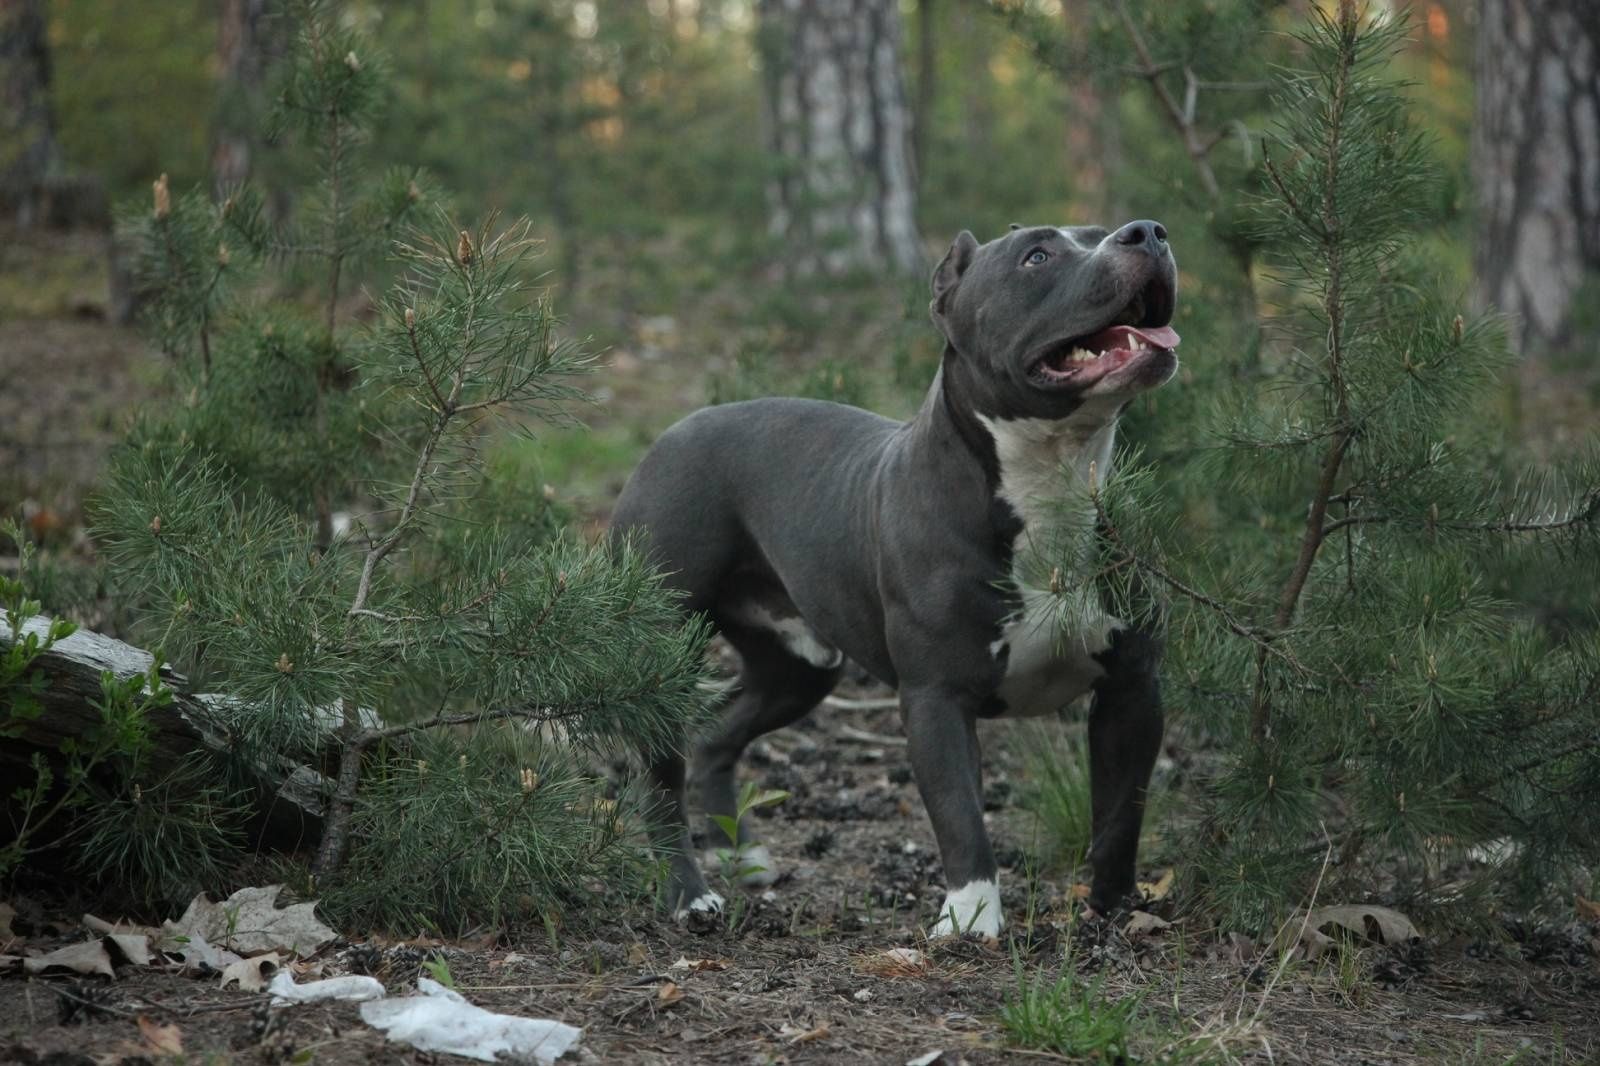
[1022,458]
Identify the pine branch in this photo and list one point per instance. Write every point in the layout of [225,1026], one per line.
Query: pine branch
[1330,233]
[1182,119]
[1584,514]
[1262,638]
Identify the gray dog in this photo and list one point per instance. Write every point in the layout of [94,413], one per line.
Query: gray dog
[809,532]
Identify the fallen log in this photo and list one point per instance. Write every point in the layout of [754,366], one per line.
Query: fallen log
[287,798]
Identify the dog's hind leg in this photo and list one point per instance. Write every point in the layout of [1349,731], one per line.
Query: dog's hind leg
[684,892]
[777,687]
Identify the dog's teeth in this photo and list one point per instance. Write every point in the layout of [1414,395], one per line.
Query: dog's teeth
[1079,355]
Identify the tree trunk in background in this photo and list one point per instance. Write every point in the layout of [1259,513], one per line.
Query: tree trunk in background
[838,121]
[1087,122]
[28,151]
[242,63]
[1536,162]
[927,75]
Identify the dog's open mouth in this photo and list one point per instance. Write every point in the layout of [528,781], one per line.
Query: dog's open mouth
[1081,361]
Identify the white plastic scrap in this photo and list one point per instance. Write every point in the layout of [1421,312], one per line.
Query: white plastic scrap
[441,1020]
[285,991]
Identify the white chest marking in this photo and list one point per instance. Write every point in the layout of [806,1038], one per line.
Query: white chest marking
[1045,470]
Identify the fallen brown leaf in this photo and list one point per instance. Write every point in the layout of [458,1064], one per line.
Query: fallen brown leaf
[669,993]
[135,947]
[162,1039]
[896,962]
[1240,949]
[252,974]
[1143,923]
[1382,924]
[193,952]
[86,958]
[100,925]
[7,912]
[637,954]
[1158,889]
[251,921]
[796,1035]
[1588,909]
[700,965]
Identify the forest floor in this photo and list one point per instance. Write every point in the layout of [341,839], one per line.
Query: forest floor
[806,971]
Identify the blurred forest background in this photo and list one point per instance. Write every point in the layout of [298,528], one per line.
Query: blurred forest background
[745,197]
[670,151]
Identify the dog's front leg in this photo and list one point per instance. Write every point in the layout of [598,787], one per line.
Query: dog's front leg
[942,740]
[1125,725]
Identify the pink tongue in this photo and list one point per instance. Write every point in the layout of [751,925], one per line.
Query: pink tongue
[1122,336]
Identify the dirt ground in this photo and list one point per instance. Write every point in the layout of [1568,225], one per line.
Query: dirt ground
[798,975]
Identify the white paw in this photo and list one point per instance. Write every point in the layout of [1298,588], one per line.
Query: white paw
[972,908]
[752,865]
[710,903]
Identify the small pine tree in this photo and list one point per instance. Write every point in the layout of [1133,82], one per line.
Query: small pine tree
[1370,693]
[453,654]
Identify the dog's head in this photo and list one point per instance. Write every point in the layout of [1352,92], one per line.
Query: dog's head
[1046,317]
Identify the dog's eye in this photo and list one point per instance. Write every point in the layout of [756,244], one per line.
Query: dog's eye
[1035,257]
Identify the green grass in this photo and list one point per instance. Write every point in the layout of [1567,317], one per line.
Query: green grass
[587,465]
[1084,1021]
[1057,792]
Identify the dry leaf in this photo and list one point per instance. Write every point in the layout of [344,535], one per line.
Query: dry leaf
[135,947]
[162,1039]
[796,1035]
[100,925]
[1080,891]
[669,993]
[193,952]
[637,954]
[86,958]
[1375,923]
[1240,949]
[252,973]
[7,912]
[1158,889]
[249,921]
[896,962]
[700,965]
[1143,923]
[1588,909]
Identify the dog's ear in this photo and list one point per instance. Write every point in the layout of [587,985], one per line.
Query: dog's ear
[950,269]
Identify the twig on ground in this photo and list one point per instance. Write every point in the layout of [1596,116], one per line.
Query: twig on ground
[861,736]
[872,703]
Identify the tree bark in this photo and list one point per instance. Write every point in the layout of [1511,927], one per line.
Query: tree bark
[927,80]
[840,128]
[242,63]
[29,154]
[1536,163]
[288,799]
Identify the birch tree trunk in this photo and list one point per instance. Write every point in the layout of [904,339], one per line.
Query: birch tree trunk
[839,124]
[1536,163]
[28,151]
[242,60]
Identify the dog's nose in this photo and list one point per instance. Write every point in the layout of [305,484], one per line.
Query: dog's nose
[1152,235]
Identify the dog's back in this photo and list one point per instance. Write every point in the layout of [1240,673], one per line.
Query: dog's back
[748,490]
